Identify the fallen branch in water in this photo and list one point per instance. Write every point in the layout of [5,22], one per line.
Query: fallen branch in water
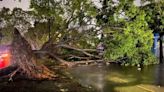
[63,62]
[70,63]
[88,61]
[75,63]
[71,56]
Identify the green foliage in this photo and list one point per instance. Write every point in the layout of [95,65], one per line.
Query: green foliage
[68,16]
[4,13]
[155,15]
[134,41]
[127,28]
[6,35]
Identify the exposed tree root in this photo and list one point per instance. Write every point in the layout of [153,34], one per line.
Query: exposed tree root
[22,57]
[11,75]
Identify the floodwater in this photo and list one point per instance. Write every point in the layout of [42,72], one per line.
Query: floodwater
[115,78]
[112,78]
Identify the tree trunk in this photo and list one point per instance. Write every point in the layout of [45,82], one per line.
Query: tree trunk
[23,58]
[161,49]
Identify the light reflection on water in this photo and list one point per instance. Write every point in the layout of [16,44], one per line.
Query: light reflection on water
[95,79]
[114,78]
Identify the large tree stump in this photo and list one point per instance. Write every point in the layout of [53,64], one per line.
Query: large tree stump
[24,59]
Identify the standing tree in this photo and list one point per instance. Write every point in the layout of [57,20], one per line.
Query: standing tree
[155,19]
[128,38]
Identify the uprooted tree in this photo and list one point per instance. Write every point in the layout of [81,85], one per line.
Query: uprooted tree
[23,58]
[68,30]
[123,24]
[25,62]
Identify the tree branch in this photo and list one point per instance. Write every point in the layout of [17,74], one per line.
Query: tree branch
[77,49]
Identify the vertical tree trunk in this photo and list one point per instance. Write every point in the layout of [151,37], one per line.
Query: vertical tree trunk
[161,49]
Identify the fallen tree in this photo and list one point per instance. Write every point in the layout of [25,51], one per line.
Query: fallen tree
[86,60]
[85,56]
[24,60]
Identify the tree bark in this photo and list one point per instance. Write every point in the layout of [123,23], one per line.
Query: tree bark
[161,48]
[23,58]
[80,50]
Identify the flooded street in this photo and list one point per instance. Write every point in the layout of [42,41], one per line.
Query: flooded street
[114,78]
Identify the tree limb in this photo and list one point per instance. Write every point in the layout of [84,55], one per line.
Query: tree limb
[77,49]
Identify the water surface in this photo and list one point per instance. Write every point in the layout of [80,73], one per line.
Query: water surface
[114,78]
